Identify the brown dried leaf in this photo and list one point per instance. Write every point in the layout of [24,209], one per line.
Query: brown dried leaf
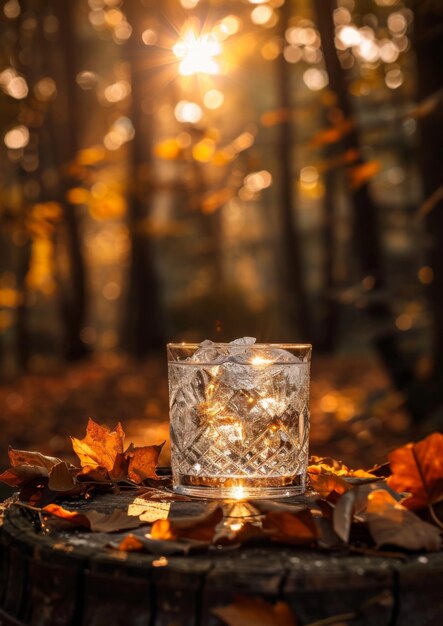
[22,474]
[60,478]
[200,527]
[94,520]
[77,519]
[94,475]
[390,523]
[143,462]
[25,457]
[247,611]
[109,523]
[100,446]
[417,468]
[326,464]
[328,484]
[294,528]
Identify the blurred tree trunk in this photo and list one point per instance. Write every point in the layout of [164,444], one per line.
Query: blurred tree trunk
[429,50]
[366,227]
[74,299]
[144,325]
[297,296]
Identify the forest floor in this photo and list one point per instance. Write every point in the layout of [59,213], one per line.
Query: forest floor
[355,414]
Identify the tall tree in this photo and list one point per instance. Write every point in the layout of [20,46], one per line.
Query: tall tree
[366,227]
[74,296]
[429,51]
[299,312]
[144,316]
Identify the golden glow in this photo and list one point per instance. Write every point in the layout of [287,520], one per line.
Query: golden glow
[238,493]
[189,112]
[213,99]
[17,138]
[257,181]
[196,53]
[262,14]
[315,79]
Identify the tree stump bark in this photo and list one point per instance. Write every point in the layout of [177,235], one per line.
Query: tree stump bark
[73,578]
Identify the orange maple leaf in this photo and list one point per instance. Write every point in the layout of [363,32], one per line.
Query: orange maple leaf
[295,528]
[143,461]
[100,447]
[201,527]
[417,468]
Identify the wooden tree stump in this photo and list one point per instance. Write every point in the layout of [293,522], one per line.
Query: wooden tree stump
[75,578]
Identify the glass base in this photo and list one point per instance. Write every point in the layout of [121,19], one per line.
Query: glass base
[236,488]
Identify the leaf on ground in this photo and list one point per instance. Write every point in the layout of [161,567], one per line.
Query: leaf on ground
[100,446]
[390,523]
[22,474]
[328,484]
[294,528]
[354,502]
[74,518]
[201,527]
[60,478]
[94,520]
[327,464]
[111,522]
[417,468]
[94,475]
[143,461]
[24,457]
[246,611]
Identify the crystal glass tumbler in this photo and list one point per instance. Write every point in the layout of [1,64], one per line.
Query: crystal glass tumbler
[239,418]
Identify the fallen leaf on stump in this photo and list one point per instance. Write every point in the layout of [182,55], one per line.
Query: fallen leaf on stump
[22,474]
[245,611]
[24,457]
[100,446]
[94,520]
[294,528]
[390,523]
[60,478]
[326,464]
[354,502]
[143,462]
[417,468]
[328,485]
[200,527]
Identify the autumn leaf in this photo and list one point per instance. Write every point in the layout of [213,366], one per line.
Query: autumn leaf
[327,464]
[287,526]
[134,543]
[200,527]
[354,502]
[100,446]
[246,611]
[77,519]
[328,484]
[23,474]
[417,468]
[24,457]
[143,462]
[60,478]
[94,520]
[390,523]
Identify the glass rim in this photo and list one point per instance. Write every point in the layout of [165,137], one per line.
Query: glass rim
[290,346]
